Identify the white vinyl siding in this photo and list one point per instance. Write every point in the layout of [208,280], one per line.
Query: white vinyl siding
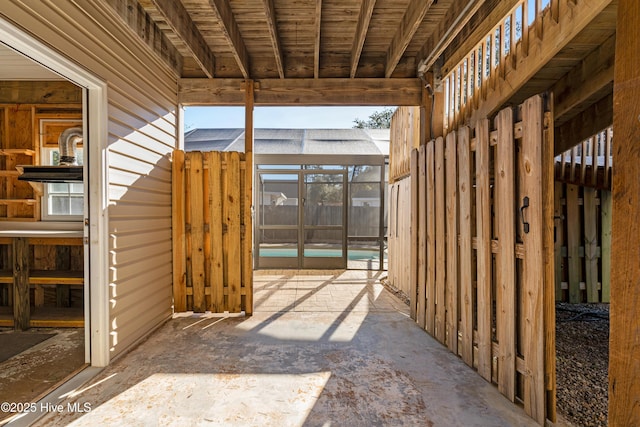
[142,129]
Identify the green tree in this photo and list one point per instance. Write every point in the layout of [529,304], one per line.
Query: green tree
[377,120]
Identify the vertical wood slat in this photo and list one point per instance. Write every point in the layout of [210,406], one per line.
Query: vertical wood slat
[574,262]
[593,157]
[605,246]
[590,243]
[21,306]
[206,241]
[559,238]
[607,157]
[505,258]
[431,238]
[483,252]
[231,238]
[533,263]
[178,231]
[549,306]
[216,281]
[583,161]
[440,263]
[466,272]
[413,264]
[451,292]
[247,252]
[196,173]
[422,236]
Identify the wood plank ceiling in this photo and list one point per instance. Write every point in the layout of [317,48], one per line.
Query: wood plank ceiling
[266,39]
[366,49]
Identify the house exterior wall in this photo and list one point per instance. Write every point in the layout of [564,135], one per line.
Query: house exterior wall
[141,133]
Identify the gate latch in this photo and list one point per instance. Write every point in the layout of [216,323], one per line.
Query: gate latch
[525,204]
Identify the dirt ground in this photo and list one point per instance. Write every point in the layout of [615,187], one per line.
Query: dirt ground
[582,349]
[582,362]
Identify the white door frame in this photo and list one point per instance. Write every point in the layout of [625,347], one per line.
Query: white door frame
[96,301]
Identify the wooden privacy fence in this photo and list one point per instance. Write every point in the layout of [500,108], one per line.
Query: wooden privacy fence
[582,243]
[399,234]
[583,220]
[589,163]
[405,136]
[482,250]
[212,263]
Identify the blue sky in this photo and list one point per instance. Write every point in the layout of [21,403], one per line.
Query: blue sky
[277,117]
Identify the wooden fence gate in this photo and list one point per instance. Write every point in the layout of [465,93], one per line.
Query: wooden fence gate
[212,261]
[483,243]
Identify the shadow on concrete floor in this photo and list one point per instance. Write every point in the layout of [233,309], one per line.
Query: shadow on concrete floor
[331,349]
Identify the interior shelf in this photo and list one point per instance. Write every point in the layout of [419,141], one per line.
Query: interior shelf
[16,151]
[18,201]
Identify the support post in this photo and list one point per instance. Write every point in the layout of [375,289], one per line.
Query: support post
[624,340]
[248,196]
[21,313]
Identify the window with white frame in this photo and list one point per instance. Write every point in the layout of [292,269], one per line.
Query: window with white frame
[61,201]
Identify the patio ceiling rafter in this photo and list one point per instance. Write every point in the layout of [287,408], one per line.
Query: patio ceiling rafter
[180,22]
[364,18]
[413,16]
[140,23]
[231,33]
[270,15]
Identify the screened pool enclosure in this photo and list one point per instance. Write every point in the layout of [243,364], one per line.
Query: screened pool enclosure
[320,195]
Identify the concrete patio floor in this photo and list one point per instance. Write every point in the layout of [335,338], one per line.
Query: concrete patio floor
[323,349]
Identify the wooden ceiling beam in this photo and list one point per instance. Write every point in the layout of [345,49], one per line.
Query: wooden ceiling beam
[456,18]
[231,32]
[366,11]
[591,76]
[180,22]
[299,92]
[597,117]
[140,23]
[316,46]
[270,15]
[411,20]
